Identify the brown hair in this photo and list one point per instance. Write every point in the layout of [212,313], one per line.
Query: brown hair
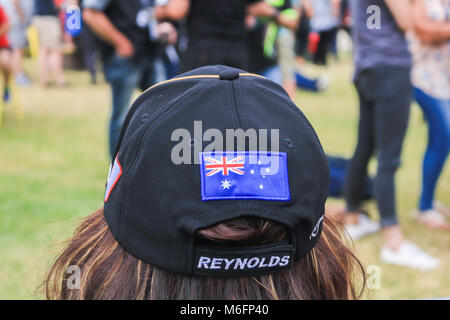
[329,271]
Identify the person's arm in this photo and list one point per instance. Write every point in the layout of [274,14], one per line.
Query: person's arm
[173,10]
[336,8]
[427,30]
[309,9]
[19,10]
[103,27]
[4,23]
[263,9]
[401,10]
[4,28]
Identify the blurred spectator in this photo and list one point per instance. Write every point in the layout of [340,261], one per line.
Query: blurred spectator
[19,13]
[5,54]
[382,79]
[325,20]
[304,8]
[90,52]
[49,28]
[274,58]
[430,45]
[129,30]
[285,47]
[216,31]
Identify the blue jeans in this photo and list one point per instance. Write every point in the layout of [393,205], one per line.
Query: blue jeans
[437,113]
[124,75]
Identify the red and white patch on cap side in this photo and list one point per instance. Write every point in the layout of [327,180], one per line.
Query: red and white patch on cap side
[115,172]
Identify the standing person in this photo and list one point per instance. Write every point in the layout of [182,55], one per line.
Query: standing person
[266,57]
[430,45]
[271,48]
[285,42]
[216,30]
[167,232]
[325,20]
[382,80]
[5,53]
[19,13]
[129,33]
[301,36]
[49,31]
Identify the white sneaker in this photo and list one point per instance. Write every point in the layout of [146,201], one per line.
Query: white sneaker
[364,227]
[409,255]
[322,83]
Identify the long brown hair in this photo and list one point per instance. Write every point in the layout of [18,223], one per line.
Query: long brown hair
[329,271]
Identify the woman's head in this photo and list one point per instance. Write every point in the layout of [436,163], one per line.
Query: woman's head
[328,271]
[228,220]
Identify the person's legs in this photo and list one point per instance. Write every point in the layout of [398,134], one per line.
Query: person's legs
[320,58]
[390,89]
[89,50]
[18,41]
[357,169]
[392,117]
[54,44]
[56,66]
[43,62]
[44,30]
[5,67]
[286,61]
[16,60]
[301,39]
[306,83]
[5,63]
[123,75]
[437,113]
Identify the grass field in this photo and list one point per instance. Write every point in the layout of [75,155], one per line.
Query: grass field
[53,167]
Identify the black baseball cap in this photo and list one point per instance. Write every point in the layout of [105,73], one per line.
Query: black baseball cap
[171,177]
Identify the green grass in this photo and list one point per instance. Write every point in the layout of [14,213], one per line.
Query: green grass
[53,167]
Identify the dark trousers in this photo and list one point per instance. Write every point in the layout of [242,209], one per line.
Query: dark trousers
[208,52]
[124,75]
[385,95]
[324,46]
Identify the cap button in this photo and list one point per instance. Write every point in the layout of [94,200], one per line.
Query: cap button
[228,75]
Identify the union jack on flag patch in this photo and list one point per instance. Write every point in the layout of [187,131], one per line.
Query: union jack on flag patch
[224,166]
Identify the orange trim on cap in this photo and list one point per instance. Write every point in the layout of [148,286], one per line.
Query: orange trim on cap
[215,76]
[251,75]
[184,78]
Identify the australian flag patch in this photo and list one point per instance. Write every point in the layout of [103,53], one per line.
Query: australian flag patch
[228,175]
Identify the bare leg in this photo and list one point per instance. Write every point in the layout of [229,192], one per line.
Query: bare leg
[56,65]
[44,65]
[16,61]
[393,237]
[5,64]
[291,87]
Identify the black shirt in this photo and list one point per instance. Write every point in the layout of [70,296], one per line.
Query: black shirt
[217,19]
[127,16]
[258,61]
[44,8]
